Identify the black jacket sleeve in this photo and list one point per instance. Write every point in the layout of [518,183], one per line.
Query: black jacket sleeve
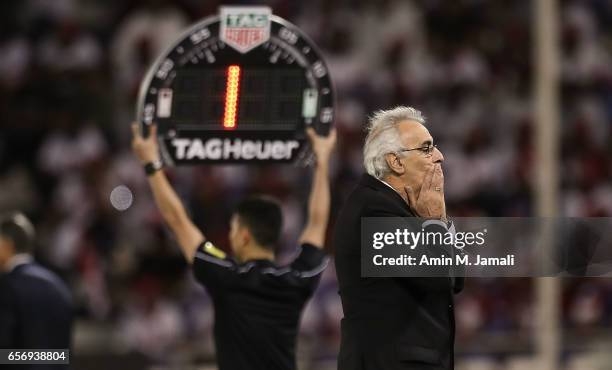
[383,207]
[213,268]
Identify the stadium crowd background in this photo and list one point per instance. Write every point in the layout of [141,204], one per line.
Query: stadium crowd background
[69,75]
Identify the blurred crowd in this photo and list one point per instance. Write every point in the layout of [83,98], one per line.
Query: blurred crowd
[69,75]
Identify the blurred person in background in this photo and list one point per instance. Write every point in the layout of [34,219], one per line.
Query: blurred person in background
[395,323]
[257,303]
[36,310]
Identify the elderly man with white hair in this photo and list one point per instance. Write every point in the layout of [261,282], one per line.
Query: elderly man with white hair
[394,323]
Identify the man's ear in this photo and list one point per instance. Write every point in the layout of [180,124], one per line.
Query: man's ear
[395,164]
[245,235]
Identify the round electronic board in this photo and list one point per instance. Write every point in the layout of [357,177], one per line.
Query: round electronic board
[239,87]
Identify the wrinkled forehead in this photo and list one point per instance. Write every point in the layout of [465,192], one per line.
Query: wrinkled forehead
[414,134]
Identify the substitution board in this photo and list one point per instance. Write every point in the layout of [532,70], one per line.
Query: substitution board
[238,87]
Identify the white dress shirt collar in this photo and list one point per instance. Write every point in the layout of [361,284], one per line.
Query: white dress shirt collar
[18,260]
[386,183]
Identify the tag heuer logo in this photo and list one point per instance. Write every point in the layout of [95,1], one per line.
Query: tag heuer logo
[245,28]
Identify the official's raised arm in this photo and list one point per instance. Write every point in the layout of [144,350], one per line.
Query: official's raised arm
[319,199]
[173,212]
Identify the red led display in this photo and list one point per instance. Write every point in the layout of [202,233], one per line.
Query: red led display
[232,88]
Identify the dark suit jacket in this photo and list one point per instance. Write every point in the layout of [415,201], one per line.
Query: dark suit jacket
[389,323]
[36,311]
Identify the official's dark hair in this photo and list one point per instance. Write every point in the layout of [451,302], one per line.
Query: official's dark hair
[262,216]
[17,228]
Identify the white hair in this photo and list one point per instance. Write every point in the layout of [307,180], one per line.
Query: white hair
[383,137]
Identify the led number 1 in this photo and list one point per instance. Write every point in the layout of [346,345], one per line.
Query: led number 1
[232,86]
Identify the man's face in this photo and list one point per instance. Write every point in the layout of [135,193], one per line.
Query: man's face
[416,163]
[7,250]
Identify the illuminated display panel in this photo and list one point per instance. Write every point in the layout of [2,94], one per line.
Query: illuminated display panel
[267,97]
